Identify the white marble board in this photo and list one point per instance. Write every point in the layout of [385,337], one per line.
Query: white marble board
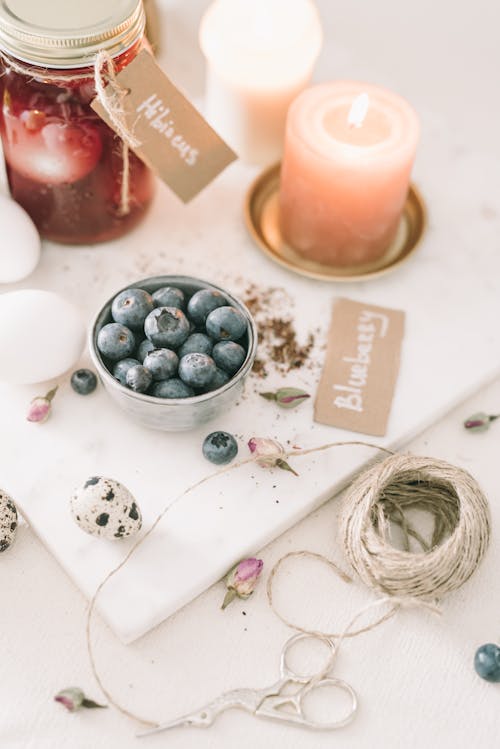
[449,291]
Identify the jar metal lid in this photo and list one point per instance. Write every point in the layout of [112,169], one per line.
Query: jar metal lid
[68,33]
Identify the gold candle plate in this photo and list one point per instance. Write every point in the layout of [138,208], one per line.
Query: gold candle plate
[262,220]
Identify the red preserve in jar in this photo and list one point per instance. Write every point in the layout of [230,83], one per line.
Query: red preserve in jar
[65,166]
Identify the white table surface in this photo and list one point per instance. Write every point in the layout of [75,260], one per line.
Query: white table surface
[414,675]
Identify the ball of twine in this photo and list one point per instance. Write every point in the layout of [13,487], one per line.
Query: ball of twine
[380,497]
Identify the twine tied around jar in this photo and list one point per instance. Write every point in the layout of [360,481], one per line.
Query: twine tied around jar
[110,94]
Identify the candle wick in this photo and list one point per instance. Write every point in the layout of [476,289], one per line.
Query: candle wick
[358,111]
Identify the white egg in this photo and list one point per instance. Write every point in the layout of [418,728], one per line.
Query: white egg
[41,336]
[8,521]
[104,507]
[20,242]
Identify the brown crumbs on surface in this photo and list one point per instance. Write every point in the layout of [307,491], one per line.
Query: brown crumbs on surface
[259,368]
[279,347]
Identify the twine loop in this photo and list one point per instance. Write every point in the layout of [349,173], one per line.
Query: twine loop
[112,97]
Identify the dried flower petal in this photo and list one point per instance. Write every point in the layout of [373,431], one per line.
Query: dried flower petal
[287,397]
[480,422]
[267,450]
[269,453]
[40,407]
[242,579]
[74,699]
[248,569]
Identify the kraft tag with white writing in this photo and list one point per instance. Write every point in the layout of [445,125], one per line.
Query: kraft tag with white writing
[175,141]
[361,367]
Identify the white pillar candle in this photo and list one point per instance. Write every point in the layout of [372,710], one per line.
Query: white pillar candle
[348,157]
[260,55]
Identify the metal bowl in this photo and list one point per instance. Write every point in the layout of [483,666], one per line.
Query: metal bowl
[173,414]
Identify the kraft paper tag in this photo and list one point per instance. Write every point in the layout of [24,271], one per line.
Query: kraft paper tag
[361,367]
[176,142]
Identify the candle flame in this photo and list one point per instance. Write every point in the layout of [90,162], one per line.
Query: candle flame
[358,111]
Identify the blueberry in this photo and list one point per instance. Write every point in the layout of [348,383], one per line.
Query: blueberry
[131,307]
[173,388]
[487,662]
[145,348]
[229,356]
[83,381]
[218,380]
[162,363]
[115,341]
[226,323]
[167,327]
[197,370]
[202,303]
[169,296]
[220,448]
[122,367]
[197,343]
[138,378]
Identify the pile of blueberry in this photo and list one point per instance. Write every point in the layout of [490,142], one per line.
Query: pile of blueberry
[170,346]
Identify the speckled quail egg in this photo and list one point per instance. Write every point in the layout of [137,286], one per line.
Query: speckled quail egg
[104,507]
[8,521]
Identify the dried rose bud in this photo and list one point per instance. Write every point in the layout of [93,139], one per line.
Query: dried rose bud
[287,397]
[40,407]
[74,699]
[242,579]
[479,422]
[269,453]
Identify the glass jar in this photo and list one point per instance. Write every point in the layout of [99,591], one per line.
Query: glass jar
[65,166]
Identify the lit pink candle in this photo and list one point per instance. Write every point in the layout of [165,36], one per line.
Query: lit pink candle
[349,152]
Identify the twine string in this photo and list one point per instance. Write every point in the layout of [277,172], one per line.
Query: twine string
[112,573]
[112,97]
[396,602]
[125,711]
[124,209]
[377,497]
[338,636]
